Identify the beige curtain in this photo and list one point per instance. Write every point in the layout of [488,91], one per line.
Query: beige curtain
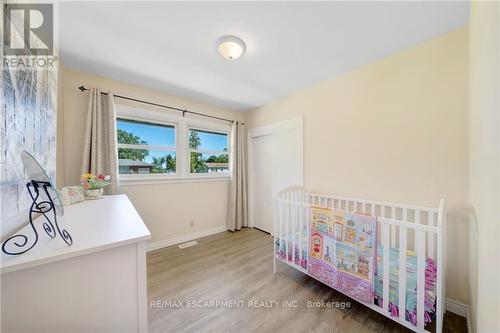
[100,155]
[237,216]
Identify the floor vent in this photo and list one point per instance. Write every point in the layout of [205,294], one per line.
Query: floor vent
[188,244]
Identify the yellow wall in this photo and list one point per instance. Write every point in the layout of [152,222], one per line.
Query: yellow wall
[484,152]
[394,130]
[167,209]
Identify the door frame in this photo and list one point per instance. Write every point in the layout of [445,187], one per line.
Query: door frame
[282,126]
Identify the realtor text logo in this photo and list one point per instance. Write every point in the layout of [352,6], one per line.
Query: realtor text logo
[28,29]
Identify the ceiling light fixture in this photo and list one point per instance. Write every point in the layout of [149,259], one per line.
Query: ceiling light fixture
[231,47]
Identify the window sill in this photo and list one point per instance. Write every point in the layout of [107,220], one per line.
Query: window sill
[151,180]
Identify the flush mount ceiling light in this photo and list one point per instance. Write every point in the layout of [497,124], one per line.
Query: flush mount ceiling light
[230,47]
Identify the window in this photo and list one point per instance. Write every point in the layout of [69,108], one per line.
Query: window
[208,152]
[160,147]
[146,148]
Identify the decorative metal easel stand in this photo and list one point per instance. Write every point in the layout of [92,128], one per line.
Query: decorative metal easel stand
[43,207]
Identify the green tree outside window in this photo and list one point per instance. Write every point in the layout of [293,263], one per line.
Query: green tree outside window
[129,153]
[197,163]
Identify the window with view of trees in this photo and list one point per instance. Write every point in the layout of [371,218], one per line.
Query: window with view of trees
[145,148]
[208,152]
[169,147]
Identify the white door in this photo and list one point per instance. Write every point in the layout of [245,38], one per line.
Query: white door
[262,183]
[276,163]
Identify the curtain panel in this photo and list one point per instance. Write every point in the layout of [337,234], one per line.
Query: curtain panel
[100,154]
[237,216]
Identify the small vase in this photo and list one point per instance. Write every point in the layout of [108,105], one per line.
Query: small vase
[93,194]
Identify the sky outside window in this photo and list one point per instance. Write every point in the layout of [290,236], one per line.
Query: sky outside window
[153,134]
[164,135]
[212,140]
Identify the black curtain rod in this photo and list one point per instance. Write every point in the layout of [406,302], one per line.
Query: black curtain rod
[184,111]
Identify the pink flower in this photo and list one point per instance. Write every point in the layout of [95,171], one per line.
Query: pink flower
[100,177]
[87,186]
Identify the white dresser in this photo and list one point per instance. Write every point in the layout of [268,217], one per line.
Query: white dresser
[96,285]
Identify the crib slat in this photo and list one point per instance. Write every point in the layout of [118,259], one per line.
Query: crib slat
[306,231]
[420,242]
[393,227]
[386,243]
[275,223]
[296,232]
[293,233]
[282,227]
[280,223]
[301,236]
[285,229]
[441,266]
[402,272]
[305,222]
[430,247]
[282,217]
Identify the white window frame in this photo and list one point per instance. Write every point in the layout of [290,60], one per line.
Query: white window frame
[208,151]
[151,147]
[182,126]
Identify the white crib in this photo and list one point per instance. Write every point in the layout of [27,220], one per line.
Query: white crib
[421,229]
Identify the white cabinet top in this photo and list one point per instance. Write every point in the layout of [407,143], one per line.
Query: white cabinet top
[94,225]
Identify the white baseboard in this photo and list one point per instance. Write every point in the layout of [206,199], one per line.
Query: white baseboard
[457,308]
[186,238]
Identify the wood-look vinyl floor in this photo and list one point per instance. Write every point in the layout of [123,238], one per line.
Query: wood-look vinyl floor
[238,267]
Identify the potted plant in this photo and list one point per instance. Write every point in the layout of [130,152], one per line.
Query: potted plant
[93,185]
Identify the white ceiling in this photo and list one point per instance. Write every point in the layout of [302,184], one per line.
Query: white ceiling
[170,46]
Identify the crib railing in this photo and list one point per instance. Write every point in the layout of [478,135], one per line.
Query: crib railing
[405,227]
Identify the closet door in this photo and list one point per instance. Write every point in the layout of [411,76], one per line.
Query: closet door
[276,163]
[286,160]
[262,181]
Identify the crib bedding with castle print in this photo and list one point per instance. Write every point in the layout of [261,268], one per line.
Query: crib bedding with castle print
[341,252]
